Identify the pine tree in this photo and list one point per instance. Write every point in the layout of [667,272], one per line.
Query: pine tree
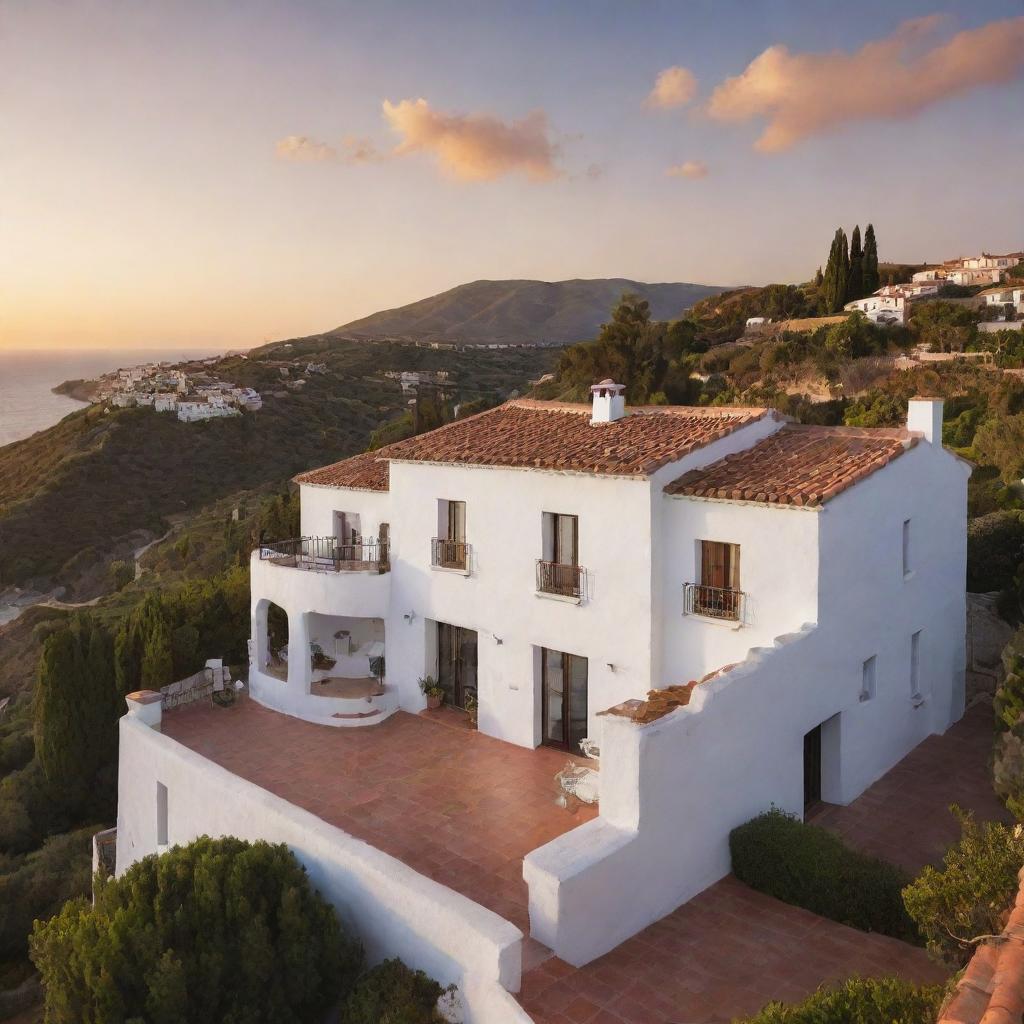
[855,278]
[837,271]
[870,263]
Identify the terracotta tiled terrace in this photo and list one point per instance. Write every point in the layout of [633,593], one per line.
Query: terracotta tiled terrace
[731,950]
[904,817]
[453,804]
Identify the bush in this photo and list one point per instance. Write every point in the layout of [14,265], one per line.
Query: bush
[219,930]
[39,883]
[971,894]
[810,867]
[859,1001]
[392,993]
[995,547]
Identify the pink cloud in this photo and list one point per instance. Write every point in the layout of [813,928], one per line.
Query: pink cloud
[674,87]
[475,147]
[690,169]
[806,94]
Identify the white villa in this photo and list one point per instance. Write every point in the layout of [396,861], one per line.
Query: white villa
[550,564]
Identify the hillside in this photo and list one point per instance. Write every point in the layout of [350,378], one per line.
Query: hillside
[532,312]
[70,496]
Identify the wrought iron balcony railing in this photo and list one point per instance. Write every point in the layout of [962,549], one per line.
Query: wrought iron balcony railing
[327,554]
[714,602]
[450,554]
[563,580]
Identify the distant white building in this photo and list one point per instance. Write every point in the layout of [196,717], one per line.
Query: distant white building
[193,411]
[969,276]
[122,399]
[987,261]
[755,324]
[165,401]
[883,309]
[930,274]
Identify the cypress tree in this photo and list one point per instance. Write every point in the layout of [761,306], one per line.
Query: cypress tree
[59,729]
[837,270]
[855,278]
[157,660]
[870,262]
[818,278]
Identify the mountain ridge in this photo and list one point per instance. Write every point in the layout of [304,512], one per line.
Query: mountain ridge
[521,310]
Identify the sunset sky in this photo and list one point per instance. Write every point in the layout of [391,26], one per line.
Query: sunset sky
[219,174]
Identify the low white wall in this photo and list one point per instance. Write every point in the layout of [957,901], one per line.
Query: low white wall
[672,790]
[395,911]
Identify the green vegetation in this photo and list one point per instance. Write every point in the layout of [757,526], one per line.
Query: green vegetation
[392,993]
[219,930]
[995,547]
[969,896]
[859,1001]
[811,868]
[69,494]
[1008,753]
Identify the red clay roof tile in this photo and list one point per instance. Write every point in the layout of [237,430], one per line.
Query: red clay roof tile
[803,466]
[548,435]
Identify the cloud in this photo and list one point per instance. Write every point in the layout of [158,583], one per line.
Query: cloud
[352,150]
[475,147]
[806,94]
[689,169]
[304,149]
[674,87]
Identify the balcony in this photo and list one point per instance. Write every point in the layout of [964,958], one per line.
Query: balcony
[327,554]
[450,554]
[713,602]
[559,580]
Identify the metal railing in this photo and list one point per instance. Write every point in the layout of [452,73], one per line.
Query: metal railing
[449,554]
[327,554]
[564,580]
[714,602]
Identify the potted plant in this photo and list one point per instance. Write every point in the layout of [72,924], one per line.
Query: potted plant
[472,706]
[433,691]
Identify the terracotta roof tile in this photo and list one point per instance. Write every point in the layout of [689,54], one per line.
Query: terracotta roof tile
[366,472]
[548,435]
[801,466]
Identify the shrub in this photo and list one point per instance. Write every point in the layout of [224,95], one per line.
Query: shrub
[39,883]
[995,546]
[971,894]
[859,1001]
[810,867]
[219,930]
[392,993]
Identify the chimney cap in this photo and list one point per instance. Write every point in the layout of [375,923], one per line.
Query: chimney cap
[607,385]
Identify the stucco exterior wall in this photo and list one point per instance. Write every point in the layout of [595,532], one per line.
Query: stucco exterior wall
[671,791]
[394,910]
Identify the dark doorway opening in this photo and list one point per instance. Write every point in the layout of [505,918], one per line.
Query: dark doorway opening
[812,767]
[456,662]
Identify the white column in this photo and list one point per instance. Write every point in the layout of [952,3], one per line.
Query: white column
[299,669]
[146,706]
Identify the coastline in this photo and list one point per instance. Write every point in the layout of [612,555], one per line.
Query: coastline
[79,390]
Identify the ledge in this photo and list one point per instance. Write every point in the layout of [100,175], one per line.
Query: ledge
[564,598]
[712,620]
[452,570]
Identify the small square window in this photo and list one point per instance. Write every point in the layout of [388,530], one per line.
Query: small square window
[867,679]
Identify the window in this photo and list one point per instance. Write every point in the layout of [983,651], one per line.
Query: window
[907,567]
[561,538]
[161,814]
[450,550]
[717,594]
[915,666]
[867,679]
[559,571]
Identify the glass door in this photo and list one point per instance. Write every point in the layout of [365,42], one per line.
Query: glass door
[456,662]
[564,699]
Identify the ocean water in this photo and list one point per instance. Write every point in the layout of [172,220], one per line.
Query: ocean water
[26,402]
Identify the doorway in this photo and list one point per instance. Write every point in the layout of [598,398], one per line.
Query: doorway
[563,699]
[812,767]
[457,662]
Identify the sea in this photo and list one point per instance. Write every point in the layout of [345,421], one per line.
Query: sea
[27,403]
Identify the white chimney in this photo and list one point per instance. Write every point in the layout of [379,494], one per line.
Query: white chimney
[924,415]
[609,402]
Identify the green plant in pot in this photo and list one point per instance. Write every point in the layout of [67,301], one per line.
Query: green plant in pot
[433,691]
[472,706]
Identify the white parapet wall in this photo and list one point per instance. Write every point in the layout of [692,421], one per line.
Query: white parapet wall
[169,795]
[673,789]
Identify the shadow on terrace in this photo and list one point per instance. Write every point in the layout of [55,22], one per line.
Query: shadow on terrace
[460,807]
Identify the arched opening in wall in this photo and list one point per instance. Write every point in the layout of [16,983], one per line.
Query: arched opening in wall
[274,658]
